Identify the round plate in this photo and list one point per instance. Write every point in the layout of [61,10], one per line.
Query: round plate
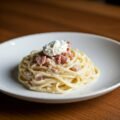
[104,52]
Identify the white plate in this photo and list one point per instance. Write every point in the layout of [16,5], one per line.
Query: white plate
[103,51]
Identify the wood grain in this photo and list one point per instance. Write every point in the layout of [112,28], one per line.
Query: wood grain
[21,17]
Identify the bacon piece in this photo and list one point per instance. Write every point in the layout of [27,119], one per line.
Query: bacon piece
[55,70]
[68,49]
[40,77]
[75,68]
[64,54]
[27,75]
[41,60]
[69,53]
[47,62]
[61,59]
[58,59]
[38,59]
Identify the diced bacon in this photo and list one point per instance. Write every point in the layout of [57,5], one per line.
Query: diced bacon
[63,59]
[40,77]
[41,60]
[27,75]
[58,59]
[75,68]
[47,62]
[38,59]
[64,54]
[55,70]
[68,49]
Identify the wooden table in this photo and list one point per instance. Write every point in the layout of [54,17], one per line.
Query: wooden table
[35,16]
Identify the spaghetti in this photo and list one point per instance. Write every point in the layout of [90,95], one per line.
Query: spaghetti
[56,74]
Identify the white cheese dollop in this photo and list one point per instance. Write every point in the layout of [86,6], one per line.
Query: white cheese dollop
[55,48]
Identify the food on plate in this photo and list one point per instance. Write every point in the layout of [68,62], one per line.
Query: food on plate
[57,68]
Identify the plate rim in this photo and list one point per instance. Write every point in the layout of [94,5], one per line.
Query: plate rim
[99,92]
[84,33]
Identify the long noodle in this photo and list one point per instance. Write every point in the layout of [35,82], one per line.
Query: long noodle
[65,79]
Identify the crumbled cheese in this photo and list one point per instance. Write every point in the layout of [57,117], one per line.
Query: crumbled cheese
[55,48]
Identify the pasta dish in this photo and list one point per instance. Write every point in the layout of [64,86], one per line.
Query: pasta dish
[57,68]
